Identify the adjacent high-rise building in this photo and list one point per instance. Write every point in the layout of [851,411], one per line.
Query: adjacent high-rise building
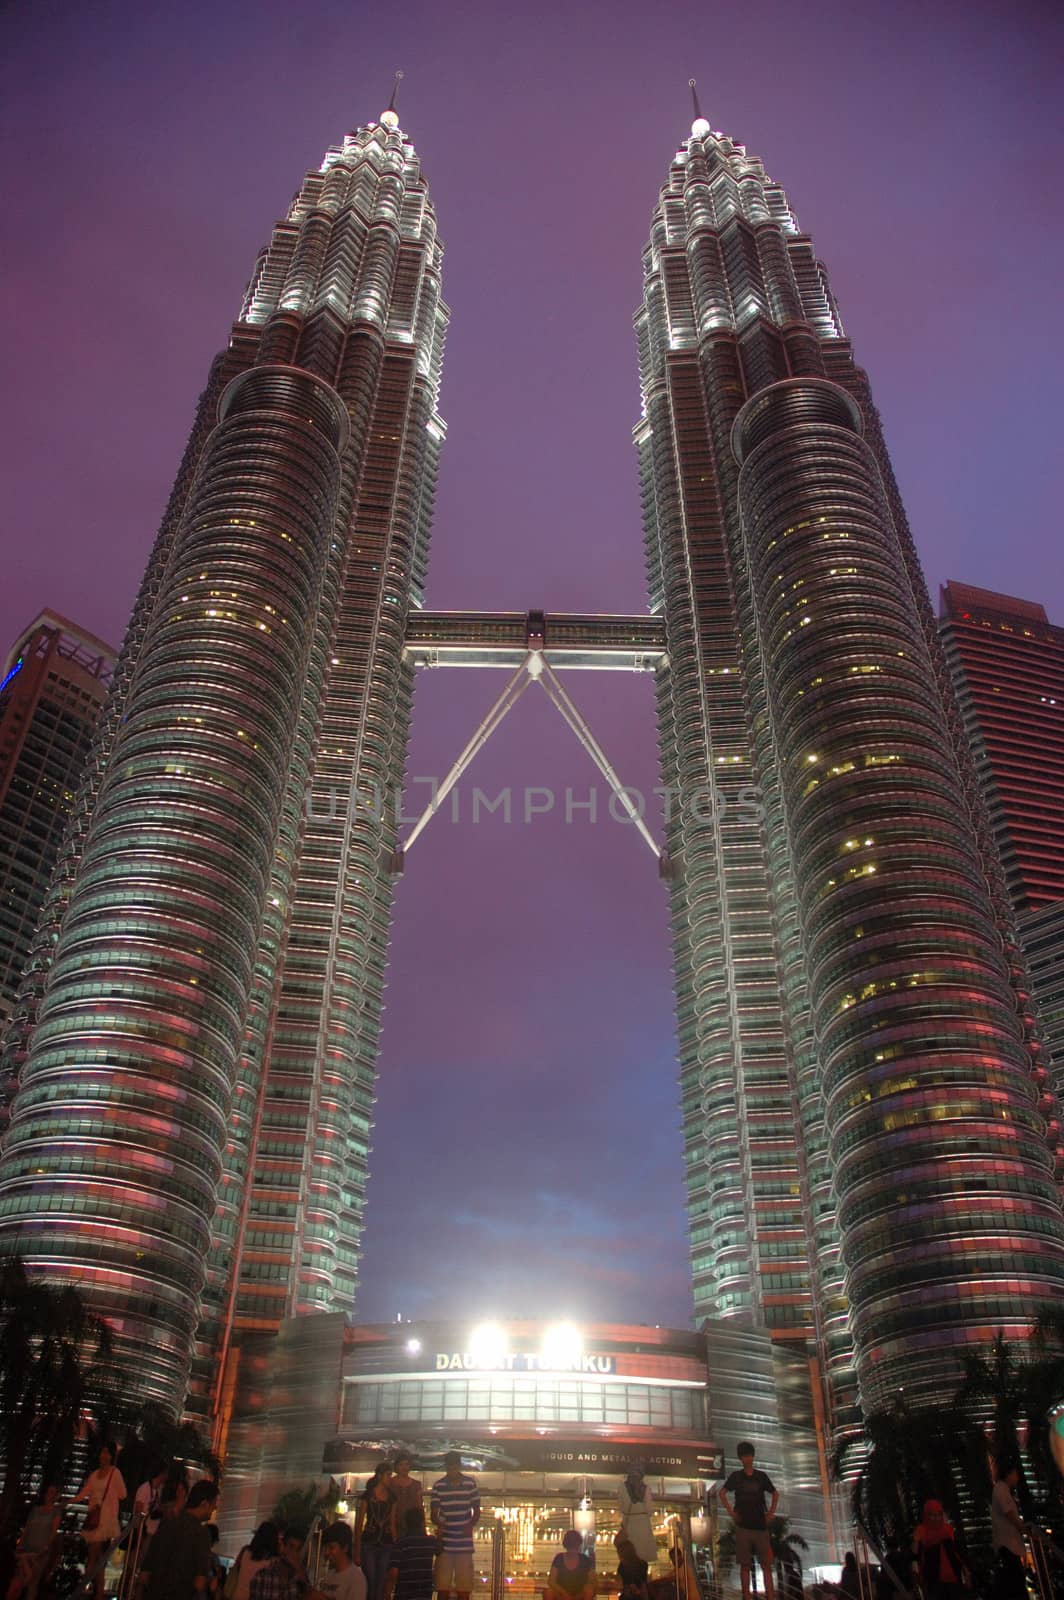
[1007,660]
[196,1036]
[870,1152]
[52,686]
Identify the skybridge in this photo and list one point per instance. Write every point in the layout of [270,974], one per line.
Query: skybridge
[564,639]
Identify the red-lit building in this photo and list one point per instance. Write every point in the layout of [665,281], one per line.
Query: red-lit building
[53,684]
[1007,660]
[1008,666]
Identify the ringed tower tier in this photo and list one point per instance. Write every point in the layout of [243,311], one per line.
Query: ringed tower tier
[195,1040]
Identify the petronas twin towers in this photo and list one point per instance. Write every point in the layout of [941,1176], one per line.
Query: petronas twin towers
[872,1146]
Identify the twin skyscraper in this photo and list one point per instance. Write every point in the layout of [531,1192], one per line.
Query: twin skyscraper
[872,1144]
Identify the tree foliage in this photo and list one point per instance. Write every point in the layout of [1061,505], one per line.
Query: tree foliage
[1000,1411]
[996,1381]
[1017,1393]
[156,1443]
[302,1507]
[910,1457]
[54,1374]
[787,1544]
[57,1389]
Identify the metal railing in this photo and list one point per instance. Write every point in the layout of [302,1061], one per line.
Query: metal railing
[864,1546]
[498,1559]
[136,1542]
[1046,1555]
[1046,1564]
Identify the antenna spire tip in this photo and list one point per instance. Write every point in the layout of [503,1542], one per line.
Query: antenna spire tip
[699,127]
[390,117]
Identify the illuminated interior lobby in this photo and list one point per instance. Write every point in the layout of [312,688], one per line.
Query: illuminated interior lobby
[549,1418]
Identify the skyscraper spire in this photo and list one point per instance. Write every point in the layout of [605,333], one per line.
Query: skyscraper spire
[699,127]
[389,116]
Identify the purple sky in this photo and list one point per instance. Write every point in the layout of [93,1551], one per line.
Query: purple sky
[527,1156]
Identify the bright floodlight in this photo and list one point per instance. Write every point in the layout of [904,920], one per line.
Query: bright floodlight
[562,1345]
[390,119]
[699,128]
[413,1347]
[488,1344]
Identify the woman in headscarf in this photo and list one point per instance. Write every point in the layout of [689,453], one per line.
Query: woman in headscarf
[942,1569]
[637,1503]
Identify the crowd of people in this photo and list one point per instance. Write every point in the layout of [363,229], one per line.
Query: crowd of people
[389,1554]
[404,1544]
[169,1540]
[399,1548]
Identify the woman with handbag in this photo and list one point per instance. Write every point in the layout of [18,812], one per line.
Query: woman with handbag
[104,1490]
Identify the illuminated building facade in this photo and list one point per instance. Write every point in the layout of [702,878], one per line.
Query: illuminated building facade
[196,1037]
[1007,661]
[872,1155]
[550,1418]
[870,1152]
[52,686]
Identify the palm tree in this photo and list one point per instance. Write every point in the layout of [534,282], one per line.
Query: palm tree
[301,1507]
[997,1381]
[910,1457]
[1046,1395]
[54,1356]
[1019,1395]
[1047,1330]
[788,1547]
[1043,1393]
[156,1441]
[786,1543]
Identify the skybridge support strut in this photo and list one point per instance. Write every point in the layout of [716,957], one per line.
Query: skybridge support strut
[535,669]
[513,691]
[562,701]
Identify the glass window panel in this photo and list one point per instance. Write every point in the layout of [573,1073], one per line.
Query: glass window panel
[502,1401]
[456,1400]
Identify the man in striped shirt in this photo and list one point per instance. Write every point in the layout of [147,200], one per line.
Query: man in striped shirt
[413,1557]
[455,1510]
